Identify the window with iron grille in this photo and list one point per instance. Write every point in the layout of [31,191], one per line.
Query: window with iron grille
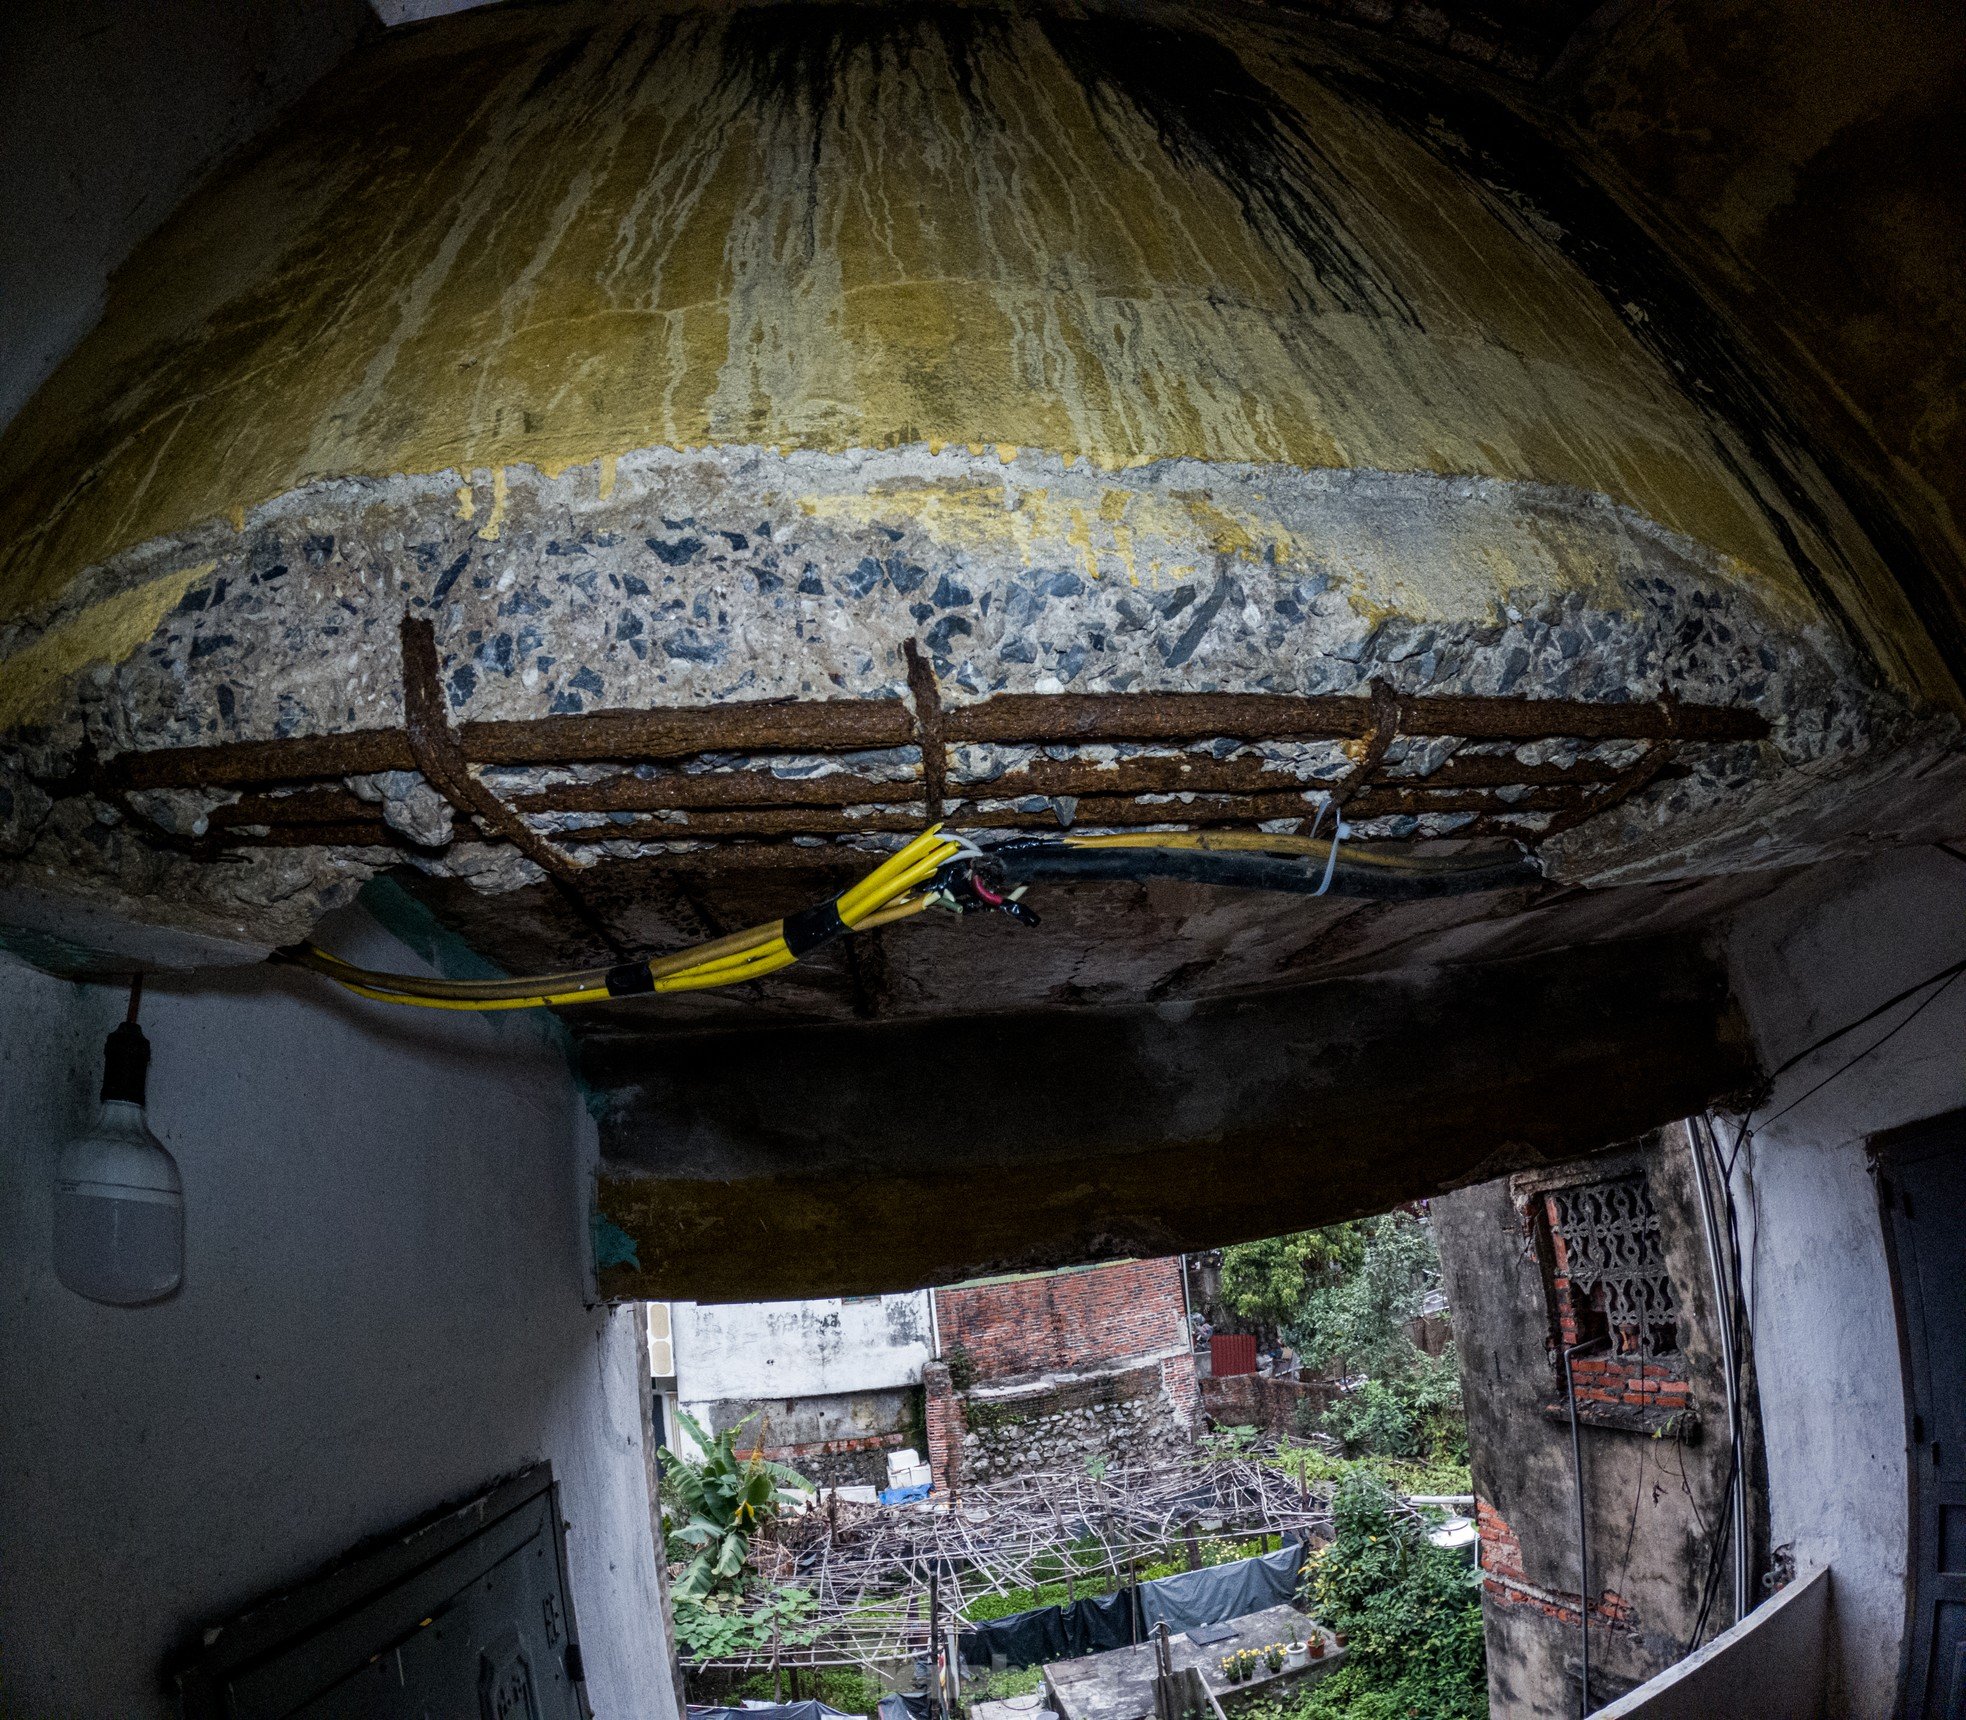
[1609,1277]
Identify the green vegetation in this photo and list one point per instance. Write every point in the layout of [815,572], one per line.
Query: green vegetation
[1273,1282]
[846,1688]
[715,1503]
[1315,1464]
[1347,1297]
[998,1686]
[711,1507]
[1412,1614]
[711,1627]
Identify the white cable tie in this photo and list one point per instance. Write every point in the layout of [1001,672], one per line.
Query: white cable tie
[1339,831]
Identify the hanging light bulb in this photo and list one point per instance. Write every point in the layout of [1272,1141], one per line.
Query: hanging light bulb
[119,1207]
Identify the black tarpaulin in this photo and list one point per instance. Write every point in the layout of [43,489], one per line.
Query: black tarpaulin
[778,1711]
[1182,1601]
[1222,1592]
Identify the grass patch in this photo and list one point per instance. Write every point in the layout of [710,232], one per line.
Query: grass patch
[846,1688]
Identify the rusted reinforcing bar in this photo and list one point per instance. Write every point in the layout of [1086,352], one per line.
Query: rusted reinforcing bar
[855,725]
[426,725]
[756,803]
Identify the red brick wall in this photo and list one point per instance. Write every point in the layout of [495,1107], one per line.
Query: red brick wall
[1504,1582]
[1065,1320]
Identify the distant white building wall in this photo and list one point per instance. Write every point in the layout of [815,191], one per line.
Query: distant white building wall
[820,1372]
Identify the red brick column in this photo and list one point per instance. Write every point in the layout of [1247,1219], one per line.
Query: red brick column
[1181,1383]
[943,1413]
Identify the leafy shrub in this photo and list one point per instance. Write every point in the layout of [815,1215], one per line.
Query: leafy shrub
[1412,1613]
[718,1626]
[714,1503]
[1416,1413]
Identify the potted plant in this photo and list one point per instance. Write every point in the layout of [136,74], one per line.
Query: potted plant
[1273,1657]
[1316,1645]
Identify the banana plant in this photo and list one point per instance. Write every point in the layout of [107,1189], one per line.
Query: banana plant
[721,1500]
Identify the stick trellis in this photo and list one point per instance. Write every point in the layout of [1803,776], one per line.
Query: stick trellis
[868,1566]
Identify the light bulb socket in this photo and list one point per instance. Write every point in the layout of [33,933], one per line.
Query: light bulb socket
[125,1064]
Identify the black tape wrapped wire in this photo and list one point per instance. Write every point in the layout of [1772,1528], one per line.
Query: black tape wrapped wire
[1373,874]
[954,872]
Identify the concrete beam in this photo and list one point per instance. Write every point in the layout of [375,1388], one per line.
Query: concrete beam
[885,1156]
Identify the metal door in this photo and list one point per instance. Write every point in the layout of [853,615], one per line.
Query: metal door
[464,1618]
[1922,1185]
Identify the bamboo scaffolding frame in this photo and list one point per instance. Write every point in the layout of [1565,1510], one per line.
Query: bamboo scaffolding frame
[867,1566]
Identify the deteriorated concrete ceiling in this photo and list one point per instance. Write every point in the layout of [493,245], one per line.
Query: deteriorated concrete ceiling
[610,470]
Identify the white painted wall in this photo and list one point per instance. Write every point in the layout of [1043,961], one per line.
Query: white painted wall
[815,1348]
[1770,1665]
[382,1310]
[1806,961]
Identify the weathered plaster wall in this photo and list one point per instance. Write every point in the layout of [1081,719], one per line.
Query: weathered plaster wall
[1821,954]
[800,1349]
[386,1228]
[798,1159]
[877,227]
[1649,1501]
[1817,152]
[109,114]
[843,1440]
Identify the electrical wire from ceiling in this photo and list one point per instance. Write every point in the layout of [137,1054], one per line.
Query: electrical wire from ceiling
[950,871]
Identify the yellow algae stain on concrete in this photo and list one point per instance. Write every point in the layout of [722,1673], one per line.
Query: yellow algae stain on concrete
[1182,536]
[547,245]
[607,474]
[467,502]
[495,520]
[107,632]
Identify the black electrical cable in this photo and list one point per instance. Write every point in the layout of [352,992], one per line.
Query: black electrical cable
[1408,879]
[1948,976]
[1583,1531]
[1741,1318]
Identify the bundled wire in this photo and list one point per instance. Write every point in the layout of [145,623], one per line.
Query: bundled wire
[889,893]
[938,869]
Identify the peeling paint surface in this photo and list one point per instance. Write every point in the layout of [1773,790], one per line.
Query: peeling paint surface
[553,236]
[682,357]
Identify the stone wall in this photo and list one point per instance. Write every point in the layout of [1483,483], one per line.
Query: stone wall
[1045,1370]
[1124,1415]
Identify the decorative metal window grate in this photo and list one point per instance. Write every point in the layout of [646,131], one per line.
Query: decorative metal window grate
[1610,1236]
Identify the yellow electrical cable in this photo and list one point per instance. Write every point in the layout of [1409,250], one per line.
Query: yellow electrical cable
[884,896]
[1246,842]
[880,898]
